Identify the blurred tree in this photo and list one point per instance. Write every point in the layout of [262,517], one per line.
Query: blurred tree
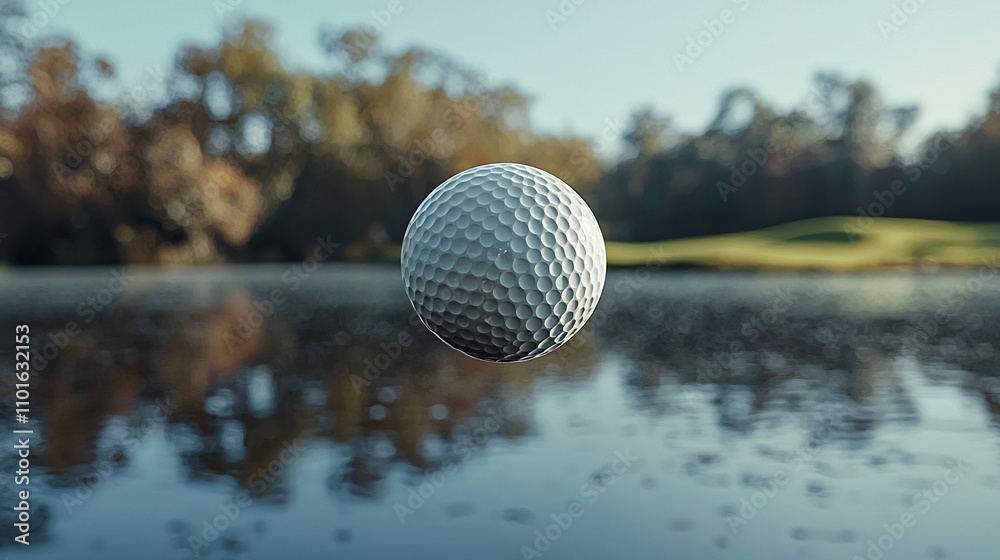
[646,133]
[68,163]
[249,159]
[13,55]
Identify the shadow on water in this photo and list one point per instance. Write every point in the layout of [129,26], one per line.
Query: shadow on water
[259,412]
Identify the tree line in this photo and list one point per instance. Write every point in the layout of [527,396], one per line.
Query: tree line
[231,155]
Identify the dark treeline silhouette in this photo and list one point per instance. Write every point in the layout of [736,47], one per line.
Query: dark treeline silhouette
[247,159]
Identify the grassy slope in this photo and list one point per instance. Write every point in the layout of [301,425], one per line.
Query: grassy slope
[826,244]
[833,244]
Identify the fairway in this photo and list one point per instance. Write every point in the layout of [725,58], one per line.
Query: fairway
[828,244]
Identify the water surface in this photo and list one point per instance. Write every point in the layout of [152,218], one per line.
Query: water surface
[698,415]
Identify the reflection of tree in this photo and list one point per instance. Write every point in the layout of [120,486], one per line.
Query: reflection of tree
[237,402]
[236,408]
[433,393]
[799,360]
[296,376]
[199,350]
[80,404]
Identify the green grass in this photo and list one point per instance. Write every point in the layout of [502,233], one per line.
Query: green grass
[828,244]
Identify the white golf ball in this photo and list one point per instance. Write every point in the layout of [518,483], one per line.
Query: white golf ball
[504,262]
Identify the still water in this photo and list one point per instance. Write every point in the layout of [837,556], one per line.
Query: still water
[269,412]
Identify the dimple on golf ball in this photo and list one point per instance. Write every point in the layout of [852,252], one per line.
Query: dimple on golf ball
[504,262]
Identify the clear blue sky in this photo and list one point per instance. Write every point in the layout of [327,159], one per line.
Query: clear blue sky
[607,58]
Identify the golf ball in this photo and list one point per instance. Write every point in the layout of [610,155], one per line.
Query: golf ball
[504,262]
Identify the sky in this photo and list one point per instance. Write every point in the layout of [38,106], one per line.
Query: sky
[587,64]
